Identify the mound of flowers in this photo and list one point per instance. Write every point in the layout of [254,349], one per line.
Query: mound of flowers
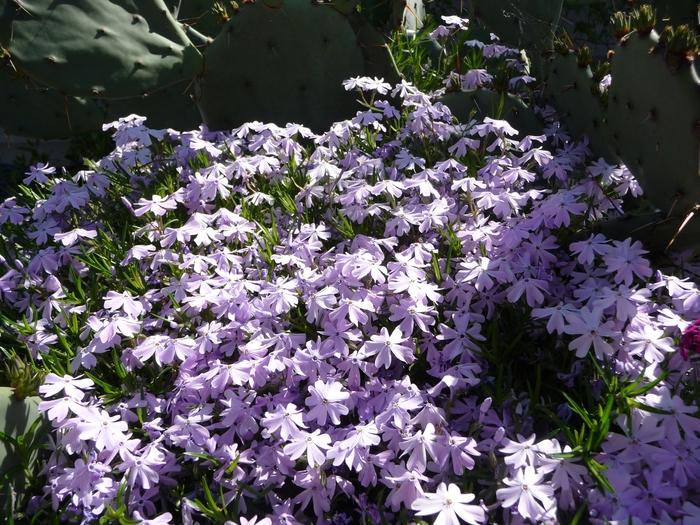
[404,318]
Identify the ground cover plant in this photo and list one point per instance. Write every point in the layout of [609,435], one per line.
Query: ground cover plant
[404,319]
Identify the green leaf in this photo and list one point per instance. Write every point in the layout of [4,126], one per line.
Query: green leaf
[578,409]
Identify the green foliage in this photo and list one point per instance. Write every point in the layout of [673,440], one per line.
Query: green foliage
[207,17]
[21,376]
[621,24]
[92,61]
[599,414]
[644,19]
[420,60]
[680,41]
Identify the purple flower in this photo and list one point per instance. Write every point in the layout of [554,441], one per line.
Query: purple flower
[591,332]
[39,173]
[311,444]
[528,489]
[285,420]
[326,401]
[73,387]
[71,237]
[97,425]
[450,505]
[156,205]
[386,345]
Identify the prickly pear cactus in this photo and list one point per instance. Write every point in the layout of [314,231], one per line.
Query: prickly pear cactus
[677,11]
[44,113]
[7,13]
[570,88]
[528,24]
[654,120]
[205,16]
[170,107]
[486,103]
[656,230]
[285,61]
[112,49]
[16,417]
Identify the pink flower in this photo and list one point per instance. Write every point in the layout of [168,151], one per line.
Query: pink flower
[690,341]
[450,505]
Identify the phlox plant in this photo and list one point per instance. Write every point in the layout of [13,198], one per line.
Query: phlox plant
[404,318]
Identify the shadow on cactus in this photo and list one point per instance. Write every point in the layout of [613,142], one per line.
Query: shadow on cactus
[308,50]
[658,137]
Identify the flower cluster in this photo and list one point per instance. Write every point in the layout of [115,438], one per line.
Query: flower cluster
[271,324]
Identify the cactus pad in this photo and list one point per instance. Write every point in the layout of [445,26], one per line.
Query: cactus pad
[307,51]
[109,49]
[655,230]
[654,120]
[520,23]
[7,13]
[677,12]
[16,417]
[202,14]
[44,113]
[569,88]
[171,107]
